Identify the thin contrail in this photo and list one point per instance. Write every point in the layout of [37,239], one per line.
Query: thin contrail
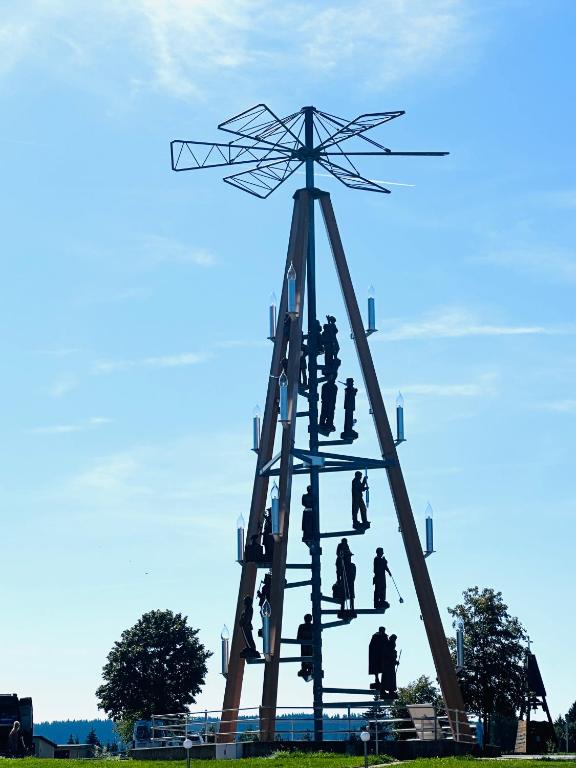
[376,181]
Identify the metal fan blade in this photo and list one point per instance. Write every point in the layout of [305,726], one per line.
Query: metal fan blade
[261,124]
[359,125]
[264,179]
[352,180]
[192,155]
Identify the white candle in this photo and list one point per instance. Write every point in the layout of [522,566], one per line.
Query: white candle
[275,512]
[400,418]
[240,540]
[266,612]
[283,387]
[291,279]
[272,318]
[429,530]
[225,650]
[256,430]
[371,310]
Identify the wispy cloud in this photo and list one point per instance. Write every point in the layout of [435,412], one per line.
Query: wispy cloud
[146,478]
[454,323]
[64,429]
[181,47]
[553,263]
[241,343]
[159,249]
[163,361]
[560,406]
[486,385]
[392,39]
[560,198]
[62,387]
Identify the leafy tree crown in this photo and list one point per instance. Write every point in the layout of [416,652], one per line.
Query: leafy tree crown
[157,667]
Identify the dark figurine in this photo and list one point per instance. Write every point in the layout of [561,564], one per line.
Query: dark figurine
[329,393]
[330,343]
[376,654]
[382,663]
[359,486]
[308,515]
[305,633]
[264,592]
[318,338]
[267,538]
[349,408]
[388,686]
[379,580]
[286,327]
[303,364]
[343,589]
[253,552]
[249,651]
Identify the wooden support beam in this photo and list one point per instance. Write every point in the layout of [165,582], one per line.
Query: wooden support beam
[424,591]
[233,690]
[277,588]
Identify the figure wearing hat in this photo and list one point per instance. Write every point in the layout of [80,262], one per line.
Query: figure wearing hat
[349,408]
[330,342]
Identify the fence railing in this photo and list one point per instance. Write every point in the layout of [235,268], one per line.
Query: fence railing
[297,724]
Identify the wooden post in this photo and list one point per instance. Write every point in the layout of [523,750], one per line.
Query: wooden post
[424,591]
[233,690]
[272,668]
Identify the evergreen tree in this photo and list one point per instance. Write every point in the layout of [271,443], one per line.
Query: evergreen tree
[92,738]
[71,739]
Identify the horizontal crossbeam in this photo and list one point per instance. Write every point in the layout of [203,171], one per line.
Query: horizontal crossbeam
[356,610]
[327,599]
[348,466]
[285,660]
[293,584]
[345,704]
[330,624]
[361,691]
[335,534]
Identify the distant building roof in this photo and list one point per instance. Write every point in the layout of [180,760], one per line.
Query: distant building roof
[48,741]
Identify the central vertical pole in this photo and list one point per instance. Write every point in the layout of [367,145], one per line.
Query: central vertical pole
[315,550]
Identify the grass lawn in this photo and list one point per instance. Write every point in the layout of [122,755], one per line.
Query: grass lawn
[294,760]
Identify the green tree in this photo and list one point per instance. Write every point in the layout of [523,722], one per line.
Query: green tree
[493,679]
[571,714]
[560,728]
[419,691]
[71,739]
[158,666]
[92,738]
[125,729]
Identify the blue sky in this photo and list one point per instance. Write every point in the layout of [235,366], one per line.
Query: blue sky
[134,314]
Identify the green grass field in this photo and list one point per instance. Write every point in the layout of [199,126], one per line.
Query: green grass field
[298,760]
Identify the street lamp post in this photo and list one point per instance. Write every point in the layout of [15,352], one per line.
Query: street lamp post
[365,738]
[187,745]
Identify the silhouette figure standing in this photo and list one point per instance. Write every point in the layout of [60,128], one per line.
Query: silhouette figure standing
[349,407]
[379,580]
[359,486]
[305,633]
[249,651]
